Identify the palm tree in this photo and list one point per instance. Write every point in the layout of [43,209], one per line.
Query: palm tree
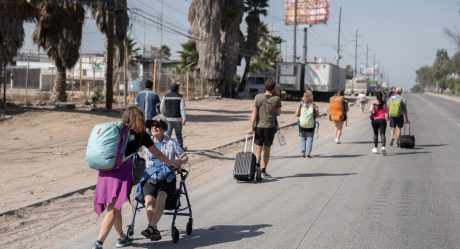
[59,31]
[254,9]
[267,53]
[165,52]
[114,24]
[188,56]
[13,15]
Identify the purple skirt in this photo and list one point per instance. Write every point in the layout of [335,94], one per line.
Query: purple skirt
[112,184]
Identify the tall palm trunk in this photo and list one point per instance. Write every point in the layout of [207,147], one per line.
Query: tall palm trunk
[231,40]
[205,21]
[60,85]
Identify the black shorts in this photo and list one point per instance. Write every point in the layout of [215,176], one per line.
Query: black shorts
[397,121]
[153,189]
[264,136]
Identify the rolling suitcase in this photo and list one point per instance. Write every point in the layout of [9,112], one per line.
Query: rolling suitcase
[245,163]
[407,140]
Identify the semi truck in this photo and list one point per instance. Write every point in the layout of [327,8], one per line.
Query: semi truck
[361,84]
[324,79]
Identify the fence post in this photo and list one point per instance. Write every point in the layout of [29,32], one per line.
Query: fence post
[188,88]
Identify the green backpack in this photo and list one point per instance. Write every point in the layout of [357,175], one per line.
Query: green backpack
[307,119]
[395,108]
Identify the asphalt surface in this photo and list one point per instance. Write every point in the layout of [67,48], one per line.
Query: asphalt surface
[344,197]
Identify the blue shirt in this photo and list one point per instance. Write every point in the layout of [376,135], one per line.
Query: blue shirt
[149,102]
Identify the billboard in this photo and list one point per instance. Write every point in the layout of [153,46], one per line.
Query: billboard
[308,11]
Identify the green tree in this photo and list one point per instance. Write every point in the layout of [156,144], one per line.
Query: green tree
[112,19]
[188,56]
[13,16]
[59,31]
[268,54]
[165,52]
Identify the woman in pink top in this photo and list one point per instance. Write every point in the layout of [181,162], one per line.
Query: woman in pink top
[379,123]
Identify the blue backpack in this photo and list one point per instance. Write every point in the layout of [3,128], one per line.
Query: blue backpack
[106,146]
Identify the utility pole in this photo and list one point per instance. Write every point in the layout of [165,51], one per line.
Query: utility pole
[373,69]
[305,33]
[367,57]
[295,31]
[338,39]
[125,90]
[109,70]
[27,73]
[356,53]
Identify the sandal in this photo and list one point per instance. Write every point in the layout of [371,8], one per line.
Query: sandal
[155,235]
[148,232]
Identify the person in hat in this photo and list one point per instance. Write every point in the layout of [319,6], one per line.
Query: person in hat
[162,180]
[173,108]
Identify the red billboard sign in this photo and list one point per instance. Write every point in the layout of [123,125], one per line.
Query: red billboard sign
[308,11]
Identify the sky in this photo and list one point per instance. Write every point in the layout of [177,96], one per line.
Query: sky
[403,35]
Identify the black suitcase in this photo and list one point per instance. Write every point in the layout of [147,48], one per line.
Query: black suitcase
[407,140]
[245,163]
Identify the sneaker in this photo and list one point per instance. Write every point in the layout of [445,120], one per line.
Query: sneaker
[336,140]
[384,151]
[258,174]
[308,156]
[97,245]
[265,175]
[124,241]
[303,154]
[374,150]
[392,141]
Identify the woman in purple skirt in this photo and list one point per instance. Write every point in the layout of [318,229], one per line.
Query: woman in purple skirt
[113,187]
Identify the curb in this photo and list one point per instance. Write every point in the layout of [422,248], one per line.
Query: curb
[42,203]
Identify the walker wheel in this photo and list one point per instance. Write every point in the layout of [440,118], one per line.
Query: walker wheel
[130,231]
[175,235]
[189,227]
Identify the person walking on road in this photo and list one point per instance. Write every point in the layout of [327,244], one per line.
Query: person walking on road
[173,108]
[148,101]
[338,108]
[378,111]
[397,114]
[265,109]
[113,187]
[307,111]
[362,99]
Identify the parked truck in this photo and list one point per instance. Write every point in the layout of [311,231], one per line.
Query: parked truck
[361,84]
[324,79]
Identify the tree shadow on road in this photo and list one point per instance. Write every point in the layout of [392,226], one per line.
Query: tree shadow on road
[361,142]
[336,156]
[275,179]
[408,153]
[209,154]
[430,145]
[202,237]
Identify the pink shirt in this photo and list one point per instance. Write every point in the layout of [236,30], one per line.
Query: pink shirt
[379,113]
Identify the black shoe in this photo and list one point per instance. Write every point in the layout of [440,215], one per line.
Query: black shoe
[155,235]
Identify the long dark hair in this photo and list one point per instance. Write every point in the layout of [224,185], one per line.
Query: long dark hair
[378,95]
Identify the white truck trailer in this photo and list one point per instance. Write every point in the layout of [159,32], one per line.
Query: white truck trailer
[324,79]
[361,84]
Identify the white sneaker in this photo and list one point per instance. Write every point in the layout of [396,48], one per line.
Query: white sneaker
[374,150]
[336,140]
[384,151]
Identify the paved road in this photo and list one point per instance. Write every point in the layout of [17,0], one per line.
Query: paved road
[345,197]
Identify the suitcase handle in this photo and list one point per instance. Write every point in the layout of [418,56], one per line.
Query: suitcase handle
[246,142]
[408,124]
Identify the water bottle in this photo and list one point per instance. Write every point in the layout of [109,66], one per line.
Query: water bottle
[281,139]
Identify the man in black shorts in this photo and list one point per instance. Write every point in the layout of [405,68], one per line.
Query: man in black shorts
[267,106]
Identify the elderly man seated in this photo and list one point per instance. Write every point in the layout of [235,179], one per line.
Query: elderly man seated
[162,180]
